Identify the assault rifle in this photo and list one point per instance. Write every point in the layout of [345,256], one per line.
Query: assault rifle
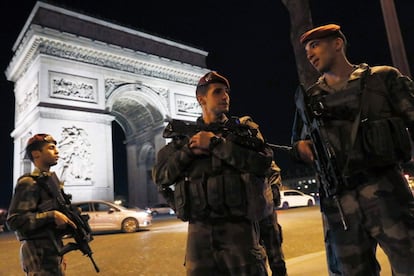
[83,233]
[242,134]
[325,159]
[233,130]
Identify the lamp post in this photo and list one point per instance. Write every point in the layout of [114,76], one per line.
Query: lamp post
[395,40]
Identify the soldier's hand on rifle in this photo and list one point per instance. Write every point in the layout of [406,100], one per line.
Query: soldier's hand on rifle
[304,149]
[62,221]
[199,143]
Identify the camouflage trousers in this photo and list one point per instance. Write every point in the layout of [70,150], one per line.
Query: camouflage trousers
[271,238]
[40,258]
[224,247]
[377,211]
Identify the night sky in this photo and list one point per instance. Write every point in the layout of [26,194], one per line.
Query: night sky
[247,41]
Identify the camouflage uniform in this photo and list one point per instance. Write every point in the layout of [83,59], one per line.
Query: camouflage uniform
[376,202]
[270,229]
[222,195]
[35,228]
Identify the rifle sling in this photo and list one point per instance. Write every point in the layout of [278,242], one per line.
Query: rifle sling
[363,112]
[54,191]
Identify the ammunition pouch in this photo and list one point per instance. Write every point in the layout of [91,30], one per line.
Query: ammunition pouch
[259,197]
[197,198]
[181,201]
[380,143]
[190,199]
[226,195]
[384,142]
[276,194]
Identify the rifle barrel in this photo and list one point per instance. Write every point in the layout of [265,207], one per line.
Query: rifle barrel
[93,262]
[279,147]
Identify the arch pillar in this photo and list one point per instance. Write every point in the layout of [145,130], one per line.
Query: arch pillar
[140,159]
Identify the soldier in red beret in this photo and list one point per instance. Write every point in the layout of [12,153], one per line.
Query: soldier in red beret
[218,171]
[38,228]
[325,31]
[352,125]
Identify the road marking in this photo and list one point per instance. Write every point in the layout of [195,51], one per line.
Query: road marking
[293,261]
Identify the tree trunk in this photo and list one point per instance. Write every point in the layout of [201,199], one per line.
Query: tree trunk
[300,22]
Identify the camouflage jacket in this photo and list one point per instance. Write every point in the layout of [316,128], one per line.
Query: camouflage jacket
[221,184]
[26,214]
[391,95]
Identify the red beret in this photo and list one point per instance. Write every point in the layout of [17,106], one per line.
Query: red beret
[213,77]
[322,32]
[37,141]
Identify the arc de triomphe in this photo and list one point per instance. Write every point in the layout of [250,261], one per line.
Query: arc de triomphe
[74,75]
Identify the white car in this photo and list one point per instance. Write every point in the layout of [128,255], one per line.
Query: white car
[108,216]
[294,198]
[160,209]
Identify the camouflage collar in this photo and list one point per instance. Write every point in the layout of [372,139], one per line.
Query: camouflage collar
[37,172]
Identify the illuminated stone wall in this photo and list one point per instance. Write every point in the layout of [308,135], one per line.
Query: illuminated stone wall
[74,87]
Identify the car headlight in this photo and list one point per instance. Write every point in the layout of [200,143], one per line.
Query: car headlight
[143,214]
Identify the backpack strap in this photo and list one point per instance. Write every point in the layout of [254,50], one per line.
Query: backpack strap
[50,183]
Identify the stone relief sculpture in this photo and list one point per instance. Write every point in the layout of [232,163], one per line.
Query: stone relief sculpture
[186,105]
[74,90]
[29,98]
[73,87]
[62,50]
[75,155]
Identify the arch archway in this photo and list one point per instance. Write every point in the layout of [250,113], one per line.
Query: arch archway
[139,111]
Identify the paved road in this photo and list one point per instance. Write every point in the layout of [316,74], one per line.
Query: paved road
[303,243]
[160,250]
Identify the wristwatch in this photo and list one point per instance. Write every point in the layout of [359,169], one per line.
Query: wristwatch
[214,141]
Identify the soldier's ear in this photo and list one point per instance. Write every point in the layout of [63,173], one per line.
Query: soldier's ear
[339,44]
[201,100]
[35,154]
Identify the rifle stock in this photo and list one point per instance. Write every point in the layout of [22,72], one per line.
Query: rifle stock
[325,159]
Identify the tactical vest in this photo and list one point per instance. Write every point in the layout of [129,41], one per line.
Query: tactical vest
[220,191]
[383,138]
[46,203]
[359,123]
